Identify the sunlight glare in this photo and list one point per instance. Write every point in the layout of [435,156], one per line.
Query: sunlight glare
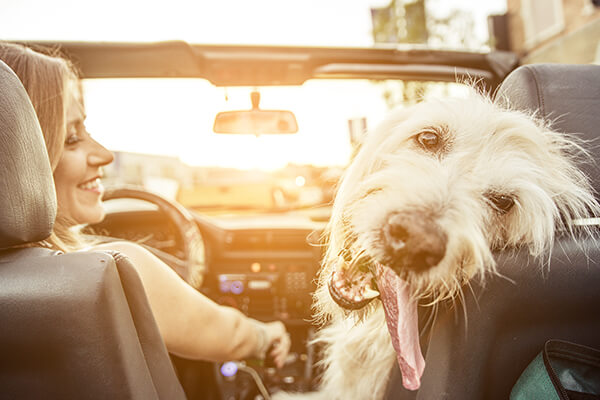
[175,118]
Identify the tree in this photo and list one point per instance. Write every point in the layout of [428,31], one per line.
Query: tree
[410,21]
[400,22]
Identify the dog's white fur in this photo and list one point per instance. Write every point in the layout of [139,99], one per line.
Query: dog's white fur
[488,149]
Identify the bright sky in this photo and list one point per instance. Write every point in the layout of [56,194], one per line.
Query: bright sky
[133,122]
[300,22]
[175,117]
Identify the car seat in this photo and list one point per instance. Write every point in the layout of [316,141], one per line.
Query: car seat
[74,325]
[509,319]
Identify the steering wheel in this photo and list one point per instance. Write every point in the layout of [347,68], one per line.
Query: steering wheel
[192,266]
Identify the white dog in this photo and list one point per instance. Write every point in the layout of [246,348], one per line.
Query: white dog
[429,195]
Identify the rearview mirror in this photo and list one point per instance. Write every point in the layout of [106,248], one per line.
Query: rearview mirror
[256,121]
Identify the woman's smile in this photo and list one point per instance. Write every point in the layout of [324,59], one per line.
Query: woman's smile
[93,185]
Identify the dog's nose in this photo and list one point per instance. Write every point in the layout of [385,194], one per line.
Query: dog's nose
[413,241]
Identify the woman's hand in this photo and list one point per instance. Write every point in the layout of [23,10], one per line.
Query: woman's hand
[277,341]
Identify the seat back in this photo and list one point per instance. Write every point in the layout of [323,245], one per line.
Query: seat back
[26,188]
[72,325]
[479,354]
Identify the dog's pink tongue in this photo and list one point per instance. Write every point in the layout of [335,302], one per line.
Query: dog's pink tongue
[402,323]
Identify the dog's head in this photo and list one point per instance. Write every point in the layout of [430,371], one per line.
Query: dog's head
[440,185]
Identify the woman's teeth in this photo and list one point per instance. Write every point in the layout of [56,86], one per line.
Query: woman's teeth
[90,185]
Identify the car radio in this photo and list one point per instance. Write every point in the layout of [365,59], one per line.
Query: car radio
[268,290]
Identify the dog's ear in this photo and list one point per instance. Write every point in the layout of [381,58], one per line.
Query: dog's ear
[569,186]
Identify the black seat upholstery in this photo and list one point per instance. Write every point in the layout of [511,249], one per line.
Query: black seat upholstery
[510,318]
[74,325]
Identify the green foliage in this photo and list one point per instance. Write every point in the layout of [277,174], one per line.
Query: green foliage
[408,21]
[400,22]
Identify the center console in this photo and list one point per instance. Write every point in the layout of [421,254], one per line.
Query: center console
[269,290]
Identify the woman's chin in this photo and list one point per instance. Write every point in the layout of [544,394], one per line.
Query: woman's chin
[96,217]
[89,216]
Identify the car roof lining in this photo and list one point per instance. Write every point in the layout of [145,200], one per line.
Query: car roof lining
[241,65]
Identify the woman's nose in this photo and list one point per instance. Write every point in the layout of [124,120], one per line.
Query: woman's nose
[99,155]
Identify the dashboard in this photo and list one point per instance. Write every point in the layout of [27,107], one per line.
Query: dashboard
[265,267]
[262,265]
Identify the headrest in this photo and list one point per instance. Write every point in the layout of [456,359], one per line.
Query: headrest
[567,95]
[27,196]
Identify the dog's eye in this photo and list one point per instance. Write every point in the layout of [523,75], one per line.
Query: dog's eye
[502,203]
[429,140]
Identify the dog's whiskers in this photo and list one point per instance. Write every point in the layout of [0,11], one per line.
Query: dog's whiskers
[470,286]
[428,325]
[358,257]
[495,272]
[351,269]
[461,297]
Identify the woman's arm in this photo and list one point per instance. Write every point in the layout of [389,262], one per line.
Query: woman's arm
[192,325]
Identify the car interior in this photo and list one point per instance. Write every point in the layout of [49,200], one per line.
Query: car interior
[73,325]
[79,325]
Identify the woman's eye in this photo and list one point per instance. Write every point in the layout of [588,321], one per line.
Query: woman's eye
[501,203]
[428,140]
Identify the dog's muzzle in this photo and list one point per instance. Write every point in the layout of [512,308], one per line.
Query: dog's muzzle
[412,242]
[350,287]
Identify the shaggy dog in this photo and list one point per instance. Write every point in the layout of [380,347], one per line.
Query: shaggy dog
[430,194]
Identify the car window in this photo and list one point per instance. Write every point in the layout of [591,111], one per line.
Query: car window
[161,131]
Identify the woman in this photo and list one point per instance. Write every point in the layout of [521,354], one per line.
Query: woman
[197,330]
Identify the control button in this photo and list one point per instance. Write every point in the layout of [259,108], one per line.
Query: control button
[224,286]
[255,267]
[229,369]
[259,285]
[237,287]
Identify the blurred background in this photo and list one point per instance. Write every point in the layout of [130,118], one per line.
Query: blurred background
[161,129]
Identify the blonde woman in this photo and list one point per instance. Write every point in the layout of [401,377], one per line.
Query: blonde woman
[201,329]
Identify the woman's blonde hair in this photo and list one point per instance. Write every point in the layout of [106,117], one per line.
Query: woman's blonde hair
[46,76]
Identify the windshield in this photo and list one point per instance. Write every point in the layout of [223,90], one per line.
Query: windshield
[161,131]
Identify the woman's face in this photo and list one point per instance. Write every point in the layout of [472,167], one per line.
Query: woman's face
[77,175]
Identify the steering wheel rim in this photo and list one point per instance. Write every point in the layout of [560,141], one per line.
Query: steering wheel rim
[192,267]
